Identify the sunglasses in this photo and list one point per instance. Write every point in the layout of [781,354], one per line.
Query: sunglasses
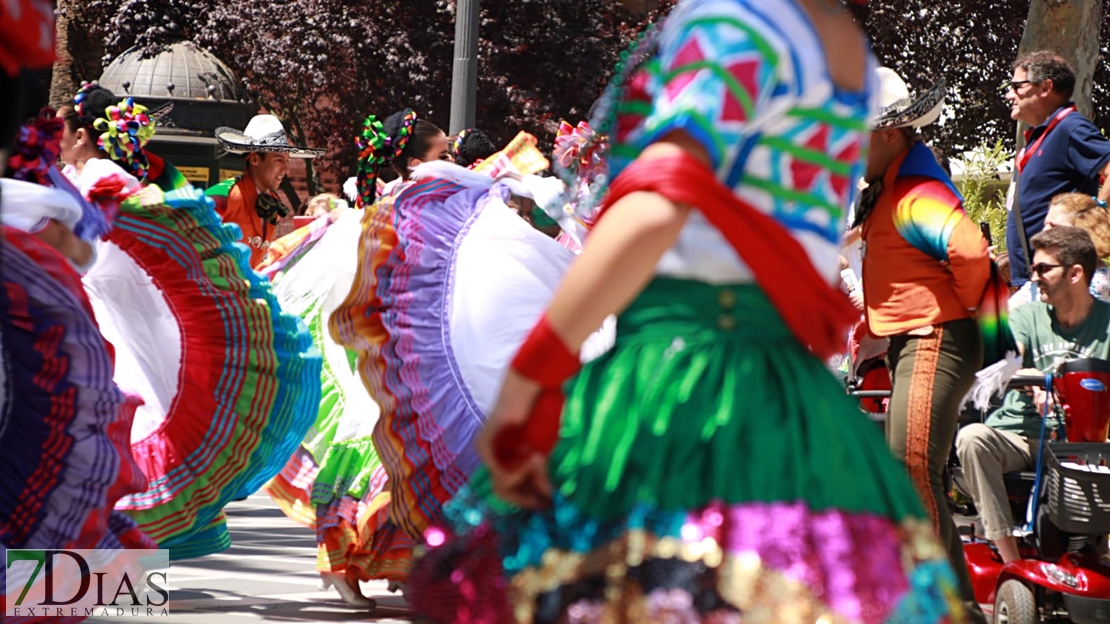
[1043,267]
[1013,85]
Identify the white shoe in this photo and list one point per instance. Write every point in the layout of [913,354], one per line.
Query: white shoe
[351,594]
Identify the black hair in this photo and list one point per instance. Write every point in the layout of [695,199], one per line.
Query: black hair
[96,103]
[473,147]
[418,144]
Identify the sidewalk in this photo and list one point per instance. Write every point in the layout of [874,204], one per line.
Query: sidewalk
[268,574]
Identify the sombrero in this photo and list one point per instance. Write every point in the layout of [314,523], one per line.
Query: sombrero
[264,133]
[899,109]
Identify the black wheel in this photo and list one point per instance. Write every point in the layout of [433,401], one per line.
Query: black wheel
[1015,604]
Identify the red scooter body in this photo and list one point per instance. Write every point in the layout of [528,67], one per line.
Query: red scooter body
[1081,579]
[1084,390]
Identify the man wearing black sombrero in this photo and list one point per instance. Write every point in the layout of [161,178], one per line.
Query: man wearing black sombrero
[925,268]
[251,200]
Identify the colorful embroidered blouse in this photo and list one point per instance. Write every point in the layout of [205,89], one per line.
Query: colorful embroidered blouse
[758,96]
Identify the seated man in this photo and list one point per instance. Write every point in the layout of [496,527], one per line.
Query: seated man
[1066,323]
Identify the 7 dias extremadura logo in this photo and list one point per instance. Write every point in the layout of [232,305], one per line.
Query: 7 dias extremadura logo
[86,583]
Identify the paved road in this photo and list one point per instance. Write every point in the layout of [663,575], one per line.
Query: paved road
[269,573]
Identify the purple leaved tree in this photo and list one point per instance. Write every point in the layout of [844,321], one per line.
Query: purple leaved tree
[972,44]
[323,65]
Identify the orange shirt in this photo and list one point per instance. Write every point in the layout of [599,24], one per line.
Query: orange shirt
[238,207]
[925,263]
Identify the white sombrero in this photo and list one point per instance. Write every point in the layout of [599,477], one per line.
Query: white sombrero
[900,109]
[264,133]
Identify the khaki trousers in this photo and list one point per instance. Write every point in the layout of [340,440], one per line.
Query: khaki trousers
[985,455]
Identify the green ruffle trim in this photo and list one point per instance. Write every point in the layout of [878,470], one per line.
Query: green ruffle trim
[707,396]
[345,470]
[332,398]
[210,540]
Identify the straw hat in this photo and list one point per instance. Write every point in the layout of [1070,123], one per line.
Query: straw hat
[900,109]
[264,133]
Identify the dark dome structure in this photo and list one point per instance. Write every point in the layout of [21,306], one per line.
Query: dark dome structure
[204,91]
[205,95]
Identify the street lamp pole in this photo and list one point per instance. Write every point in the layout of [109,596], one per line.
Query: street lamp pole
[464,75]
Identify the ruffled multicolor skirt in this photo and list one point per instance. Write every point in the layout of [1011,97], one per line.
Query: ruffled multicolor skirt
[450,281]
[709,469]
[64,423]
[310,271]
[231,383]
[335,481]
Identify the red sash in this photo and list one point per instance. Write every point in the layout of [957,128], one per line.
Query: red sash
[817,313]
[1028,151]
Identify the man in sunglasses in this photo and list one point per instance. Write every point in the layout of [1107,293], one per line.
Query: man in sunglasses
[1066,323]
[1064,151]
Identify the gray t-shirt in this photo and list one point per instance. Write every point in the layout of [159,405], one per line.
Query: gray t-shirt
[1046,343]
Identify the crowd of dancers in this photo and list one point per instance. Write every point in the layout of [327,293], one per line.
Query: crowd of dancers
[590,388]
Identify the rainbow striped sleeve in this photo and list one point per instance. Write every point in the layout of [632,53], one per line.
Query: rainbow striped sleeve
[927,215]
[931,218]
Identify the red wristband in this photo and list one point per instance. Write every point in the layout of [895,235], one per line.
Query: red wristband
[545,358]
[538,434]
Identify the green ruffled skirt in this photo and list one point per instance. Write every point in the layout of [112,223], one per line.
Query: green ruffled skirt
[708,396]
[709,468]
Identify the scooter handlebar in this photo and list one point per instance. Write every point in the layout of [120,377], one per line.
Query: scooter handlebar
[869,394]
[1022,381]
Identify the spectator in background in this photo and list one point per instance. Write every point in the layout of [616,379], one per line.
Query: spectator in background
[1065,323]
[1090,215]
[1064,151]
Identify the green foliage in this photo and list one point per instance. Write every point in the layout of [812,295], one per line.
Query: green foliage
[983,189]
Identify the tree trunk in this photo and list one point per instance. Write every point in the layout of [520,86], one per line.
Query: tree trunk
[1071,29]
[79,53]
[640,7]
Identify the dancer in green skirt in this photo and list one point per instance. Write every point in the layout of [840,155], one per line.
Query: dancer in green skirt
[708,468]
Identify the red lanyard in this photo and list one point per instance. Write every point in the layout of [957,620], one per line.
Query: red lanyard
[1028,151]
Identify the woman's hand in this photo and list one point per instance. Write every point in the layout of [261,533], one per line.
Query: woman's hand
[856,297]
[60,237]
[523,483]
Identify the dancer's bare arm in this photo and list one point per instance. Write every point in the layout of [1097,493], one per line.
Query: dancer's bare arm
[618,260]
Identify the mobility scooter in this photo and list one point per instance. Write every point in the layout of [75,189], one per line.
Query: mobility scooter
[1066,573]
